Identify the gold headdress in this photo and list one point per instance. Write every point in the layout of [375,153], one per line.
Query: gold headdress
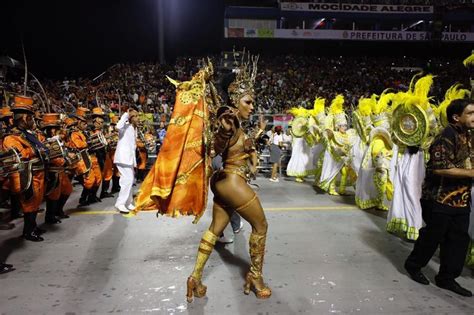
[244,80]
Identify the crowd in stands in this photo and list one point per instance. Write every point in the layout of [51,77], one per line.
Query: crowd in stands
[283,81]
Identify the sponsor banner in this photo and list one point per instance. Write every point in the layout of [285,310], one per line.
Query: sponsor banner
[235,32]
[251,32]
[265,32]
[370,35]
[356,8]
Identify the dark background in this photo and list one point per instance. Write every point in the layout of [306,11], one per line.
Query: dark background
[85,37]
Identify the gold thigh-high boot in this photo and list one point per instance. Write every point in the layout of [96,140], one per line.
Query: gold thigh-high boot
[194,283]
[254,278]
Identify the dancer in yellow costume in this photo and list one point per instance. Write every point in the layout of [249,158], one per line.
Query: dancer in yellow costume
[380,149]
[337,158]
[412,112]
[317,129]
[301,163]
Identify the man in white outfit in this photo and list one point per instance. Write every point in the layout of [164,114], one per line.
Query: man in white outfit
[125,159]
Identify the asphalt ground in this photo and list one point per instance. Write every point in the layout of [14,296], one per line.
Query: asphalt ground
[324,256]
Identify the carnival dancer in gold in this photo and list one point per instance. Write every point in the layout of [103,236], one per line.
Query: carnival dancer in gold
[183,164]
[230,188]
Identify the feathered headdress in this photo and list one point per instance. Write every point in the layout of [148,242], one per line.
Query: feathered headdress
[365,105]
[453,93]
[299,112]
[337,110]
[318,106]
[469,61]
[380,110]
[421,91]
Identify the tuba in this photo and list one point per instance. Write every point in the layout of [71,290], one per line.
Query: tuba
[96,141]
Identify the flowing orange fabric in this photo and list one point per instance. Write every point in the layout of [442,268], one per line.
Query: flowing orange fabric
[177,184]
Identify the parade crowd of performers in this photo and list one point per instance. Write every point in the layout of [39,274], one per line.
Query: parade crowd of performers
[382,153]
[383,156]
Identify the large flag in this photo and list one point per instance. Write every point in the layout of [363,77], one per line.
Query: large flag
[178,182]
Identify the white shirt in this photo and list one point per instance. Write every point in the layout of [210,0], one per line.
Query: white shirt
[127,143]
[277,138]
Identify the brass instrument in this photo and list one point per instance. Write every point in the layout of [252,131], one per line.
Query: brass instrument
[149,143]
[10,162]
[56,148]
[82,158]
[96,141]
[113,140]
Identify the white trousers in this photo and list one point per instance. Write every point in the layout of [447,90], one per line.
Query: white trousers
[127,177]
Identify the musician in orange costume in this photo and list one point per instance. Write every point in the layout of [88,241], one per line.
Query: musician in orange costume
[92,179]
[57,196]
[6,122]
[182,166]
[27,144]
[108,170]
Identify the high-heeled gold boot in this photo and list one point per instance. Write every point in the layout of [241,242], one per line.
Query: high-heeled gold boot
[254,278]
[194,284]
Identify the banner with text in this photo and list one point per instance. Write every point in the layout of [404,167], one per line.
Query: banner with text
[370,35]
[356,8]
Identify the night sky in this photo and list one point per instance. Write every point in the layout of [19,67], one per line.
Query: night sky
[84,37]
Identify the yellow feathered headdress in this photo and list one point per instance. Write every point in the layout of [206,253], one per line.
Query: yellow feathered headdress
[453,93]
[418,94]
[469,61]
[337,110]
[299,112]
[382,105]
[318,106]
[380,110]
[365,105]
[336,105]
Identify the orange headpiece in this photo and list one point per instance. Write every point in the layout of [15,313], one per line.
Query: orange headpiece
[114,120]
[69,122]
[82,113]
[97,111]
[50,120]
[23,104]
[5,112]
